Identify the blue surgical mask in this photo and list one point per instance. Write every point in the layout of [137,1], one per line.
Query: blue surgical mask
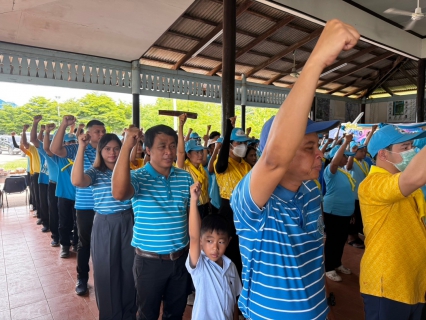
[407,156]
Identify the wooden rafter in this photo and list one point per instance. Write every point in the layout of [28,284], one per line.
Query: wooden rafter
[258,40]
[241,9]
[334,65]
[283,53]
[384,76]
[386,88]
[357,68]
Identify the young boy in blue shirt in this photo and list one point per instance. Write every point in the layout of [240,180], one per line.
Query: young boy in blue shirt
[215,276]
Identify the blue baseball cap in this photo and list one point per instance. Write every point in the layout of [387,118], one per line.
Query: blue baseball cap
[253,141]
[389,135]
[219,140]
[193,145]
[355,144]
[70,137]
[239,135]
[334,151]
[194,135]
[311,127]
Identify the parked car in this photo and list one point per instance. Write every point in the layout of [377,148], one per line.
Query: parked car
[6,144]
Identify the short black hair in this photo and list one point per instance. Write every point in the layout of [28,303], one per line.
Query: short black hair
[94,123]
[215,222]
[214,134]
[152,132]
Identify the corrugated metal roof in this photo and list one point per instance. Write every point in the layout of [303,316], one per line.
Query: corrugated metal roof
[187,31]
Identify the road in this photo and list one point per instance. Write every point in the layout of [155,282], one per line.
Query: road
[5,157]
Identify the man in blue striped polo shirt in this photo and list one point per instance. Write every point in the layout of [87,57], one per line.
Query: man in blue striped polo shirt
[276,206]
[84,202]
[160,196]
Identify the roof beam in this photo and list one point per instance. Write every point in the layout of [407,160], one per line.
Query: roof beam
[409,77]
[258,40]
[241,9]
[384,75]
[334,65]
[357,68]
[386,88]
[283,53]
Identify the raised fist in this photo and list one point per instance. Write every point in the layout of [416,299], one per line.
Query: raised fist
[68,120]
[37,119]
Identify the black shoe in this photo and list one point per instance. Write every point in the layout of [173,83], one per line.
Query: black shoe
[45,229]
[54,243]
[81,287]
[65,251]
[74,248]
[39,222]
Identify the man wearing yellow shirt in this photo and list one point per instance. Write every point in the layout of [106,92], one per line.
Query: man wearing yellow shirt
[230,168]
[393,268]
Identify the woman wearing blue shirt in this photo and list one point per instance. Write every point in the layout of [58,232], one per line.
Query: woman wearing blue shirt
[112,232]
[339,205]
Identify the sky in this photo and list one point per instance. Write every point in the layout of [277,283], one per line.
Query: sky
[21,93]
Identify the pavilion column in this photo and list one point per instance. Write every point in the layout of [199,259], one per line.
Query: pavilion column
[362,120]
[243,102]
[136,90]
[420,91]
[228,60]
[313,114]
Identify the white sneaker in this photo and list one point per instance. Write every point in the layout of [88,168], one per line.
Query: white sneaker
[190,300]
[332,275]
[343,270]
[31,207]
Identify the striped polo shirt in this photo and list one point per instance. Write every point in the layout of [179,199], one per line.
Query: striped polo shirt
[282,253]
[83,196]
[160,206]
[101,189]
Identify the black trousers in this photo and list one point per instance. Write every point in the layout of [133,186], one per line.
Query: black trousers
[44,204]
[84,226]
[358,226]
[66,221]
[159,280]
[28,180]
[53,212]
[112,257]
[35,191]
[233,249]
[377,308]
[336,228]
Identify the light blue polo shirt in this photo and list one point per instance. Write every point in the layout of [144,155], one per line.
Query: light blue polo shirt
[83,196]
[102,194]
[357,173]
[217,288]
[160,206]
[52,167]
[64,188]
[281,249]
[43,177]
[339,199]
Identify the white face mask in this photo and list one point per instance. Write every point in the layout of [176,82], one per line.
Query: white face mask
[240,150]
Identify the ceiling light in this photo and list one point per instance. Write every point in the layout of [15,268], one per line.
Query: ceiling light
[334,69]
[208,43]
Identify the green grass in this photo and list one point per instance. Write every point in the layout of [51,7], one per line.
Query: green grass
[13,165]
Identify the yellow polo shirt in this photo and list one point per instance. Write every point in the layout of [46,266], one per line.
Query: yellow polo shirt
[35,159]
[394,262]
[138,166]
[204,196]
[229,179]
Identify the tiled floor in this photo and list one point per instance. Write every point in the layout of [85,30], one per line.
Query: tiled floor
[35,283]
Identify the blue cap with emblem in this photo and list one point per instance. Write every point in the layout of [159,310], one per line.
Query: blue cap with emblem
[389,135]
[239,135]
[193,145]
[194,135]
[355,144]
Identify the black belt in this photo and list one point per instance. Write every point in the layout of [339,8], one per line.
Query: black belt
[171,256]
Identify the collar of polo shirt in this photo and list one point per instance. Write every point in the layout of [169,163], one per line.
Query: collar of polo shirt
[155,174]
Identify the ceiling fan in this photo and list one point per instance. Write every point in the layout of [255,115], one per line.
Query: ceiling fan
[415,16]
[294,72]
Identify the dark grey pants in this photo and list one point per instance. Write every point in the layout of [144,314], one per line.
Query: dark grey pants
[112,257]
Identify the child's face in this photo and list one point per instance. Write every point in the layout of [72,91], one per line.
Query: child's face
[214,245]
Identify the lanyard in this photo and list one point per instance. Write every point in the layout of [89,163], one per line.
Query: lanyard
[201,175]
[68,165]
[363,166]
[350,178]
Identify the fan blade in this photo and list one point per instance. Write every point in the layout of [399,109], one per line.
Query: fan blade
[399,12]
[410,25]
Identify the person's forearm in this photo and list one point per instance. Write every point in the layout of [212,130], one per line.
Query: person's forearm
[180,148]
[338,157]
[369,135]
[46,144]
[194,227]
[133,154]
[350,163]
[15,145]
[40,135]
[57,146]
[324,147]
[77,173]
[121,182]
[188,135]
[24,141]
[212,160]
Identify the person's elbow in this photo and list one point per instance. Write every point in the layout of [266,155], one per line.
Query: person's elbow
[408,183]
[121,193]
